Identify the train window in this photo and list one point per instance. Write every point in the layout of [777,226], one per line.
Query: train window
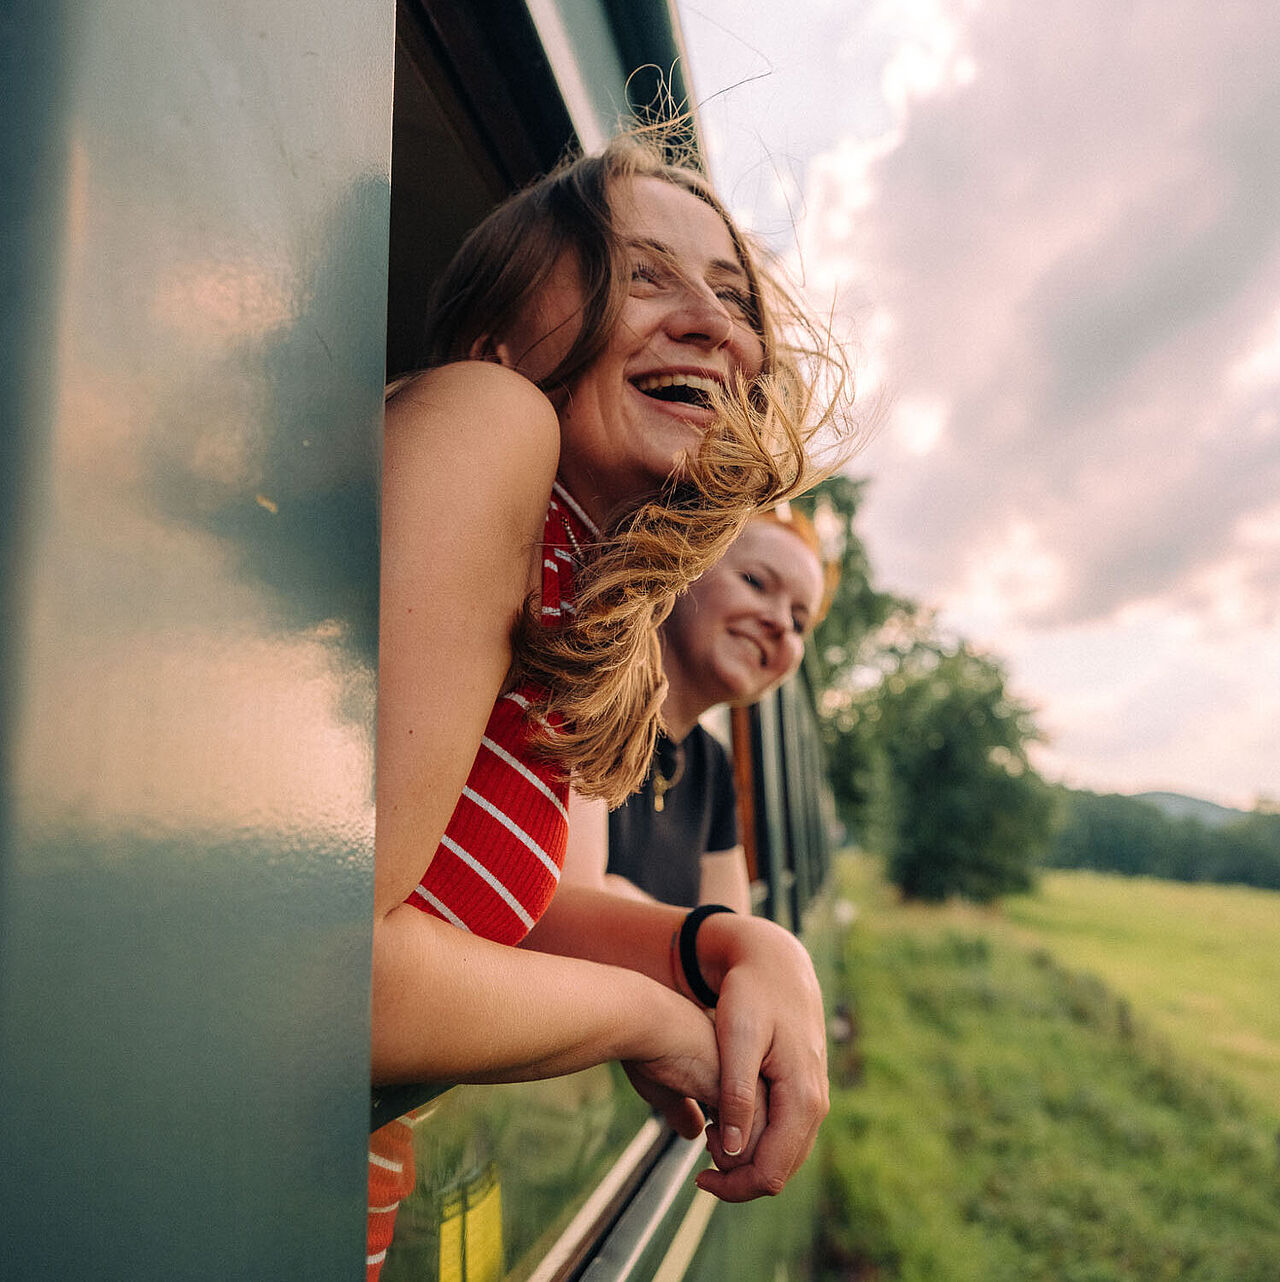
[476,115]
[515,1181]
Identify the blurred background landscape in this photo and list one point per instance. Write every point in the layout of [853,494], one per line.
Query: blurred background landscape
[1050,682]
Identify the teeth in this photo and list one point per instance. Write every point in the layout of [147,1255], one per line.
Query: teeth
[652,382]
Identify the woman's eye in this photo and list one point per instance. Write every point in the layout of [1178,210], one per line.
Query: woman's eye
[748,577]
[735,298]
[797,626]
[645,274]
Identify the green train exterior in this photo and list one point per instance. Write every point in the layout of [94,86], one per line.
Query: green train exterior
[200,206]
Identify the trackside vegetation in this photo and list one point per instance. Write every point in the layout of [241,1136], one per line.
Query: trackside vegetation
[1000,1115]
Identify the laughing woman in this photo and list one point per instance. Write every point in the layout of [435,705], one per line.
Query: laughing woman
[608,401]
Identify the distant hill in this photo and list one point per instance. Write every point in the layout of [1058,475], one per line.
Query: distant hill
[1169,835]
[1174,805]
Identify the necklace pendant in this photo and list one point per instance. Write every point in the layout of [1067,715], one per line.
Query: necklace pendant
[658,802]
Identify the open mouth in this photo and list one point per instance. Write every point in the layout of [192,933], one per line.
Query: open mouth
[678,389]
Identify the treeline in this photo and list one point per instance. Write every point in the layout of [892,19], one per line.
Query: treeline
[926,747]
[1111,833]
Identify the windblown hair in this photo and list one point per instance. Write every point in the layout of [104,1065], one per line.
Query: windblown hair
[601,670]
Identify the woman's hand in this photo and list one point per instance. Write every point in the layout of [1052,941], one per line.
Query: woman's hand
[770,1028]
[771,1076]
[684,1113]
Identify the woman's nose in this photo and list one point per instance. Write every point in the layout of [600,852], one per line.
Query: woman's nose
[701,318]
[776,617]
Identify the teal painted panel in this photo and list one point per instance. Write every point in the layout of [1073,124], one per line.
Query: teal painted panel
[189,589]
[580,44]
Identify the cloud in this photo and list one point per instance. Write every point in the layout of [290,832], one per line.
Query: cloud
[1157,699]
[1055,231]
[1079,248]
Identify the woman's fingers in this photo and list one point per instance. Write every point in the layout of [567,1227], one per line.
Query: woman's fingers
[715,1143]
[781,1151]
[682,1114]
[743,1040]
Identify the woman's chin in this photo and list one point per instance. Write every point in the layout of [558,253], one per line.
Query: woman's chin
[739,688]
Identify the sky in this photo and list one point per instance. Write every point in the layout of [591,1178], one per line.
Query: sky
[1052,233]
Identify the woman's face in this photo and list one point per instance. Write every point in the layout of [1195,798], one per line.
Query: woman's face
[627,419]
[740,628]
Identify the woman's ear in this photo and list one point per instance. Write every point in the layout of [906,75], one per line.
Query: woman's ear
[485,348]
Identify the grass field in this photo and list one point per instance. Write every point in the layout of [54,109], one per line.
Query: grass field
[1004,1115]
[1201,964]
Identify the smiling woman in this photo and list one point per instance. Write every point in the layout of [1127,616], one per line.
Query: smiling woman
[546,493]
[740,630]
[736,634]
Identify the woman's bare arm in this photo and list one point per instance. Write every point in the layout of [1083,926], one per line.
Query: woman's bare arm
[587,852]
[449,1006]
[469,456]
[723,879]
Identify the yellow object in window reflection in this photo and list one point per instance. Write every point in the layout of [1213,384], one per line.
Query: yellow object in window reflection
[471,1229]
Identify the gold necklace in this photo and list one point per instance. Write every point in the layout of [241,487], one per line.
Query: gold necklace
[665,780]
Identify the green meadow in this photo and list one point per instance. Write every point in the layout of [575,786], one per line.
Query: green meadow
[1200,963]
[1067,1089]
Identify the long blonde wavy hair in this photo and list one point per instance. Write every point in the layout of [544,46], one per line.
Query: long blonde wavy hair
[601,671]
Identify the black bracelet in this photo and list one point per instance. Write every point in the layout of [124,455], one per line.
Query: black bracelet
[693,975]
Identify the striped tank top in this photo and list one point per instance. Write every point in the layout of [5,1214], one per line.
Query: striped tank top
[498,863]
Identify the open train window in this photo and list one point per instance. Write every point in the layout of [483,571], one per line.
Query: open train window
[476,116]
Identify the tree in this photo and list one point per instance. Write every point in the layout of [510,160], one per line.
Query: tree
[966,814]
[839,658]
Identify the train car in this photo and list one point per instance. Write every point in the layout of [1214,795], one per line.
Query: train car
[219,225]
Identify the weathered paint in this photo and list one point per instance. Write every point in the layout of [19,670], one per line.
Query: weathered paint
[196,208]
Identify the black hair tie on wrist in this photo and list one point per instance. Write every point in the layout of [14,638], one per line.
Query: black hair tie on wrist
[693,975]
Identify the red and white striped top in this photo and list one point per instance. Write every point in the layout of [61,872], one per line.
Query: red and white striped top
[499,861]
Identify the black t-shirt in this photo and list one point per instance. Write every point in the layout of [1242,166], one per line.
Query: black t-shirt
[661,851]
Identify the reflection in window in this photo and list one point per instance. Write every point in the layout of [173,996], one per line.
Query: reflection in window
[499,1172]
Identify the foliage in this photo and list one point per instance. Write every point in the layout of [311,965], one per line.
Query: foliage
[927,752]
[1009,1120]
[970,815]
[841,643]
[857,606]
[1128,835]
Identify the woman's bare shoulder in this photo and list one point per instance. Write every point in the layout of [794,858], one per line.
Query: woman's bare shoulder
[469,455]
[478,434]
[446,401]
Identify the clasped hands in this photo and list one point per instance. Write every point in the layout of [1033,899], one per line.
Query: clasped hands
[770,1090]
